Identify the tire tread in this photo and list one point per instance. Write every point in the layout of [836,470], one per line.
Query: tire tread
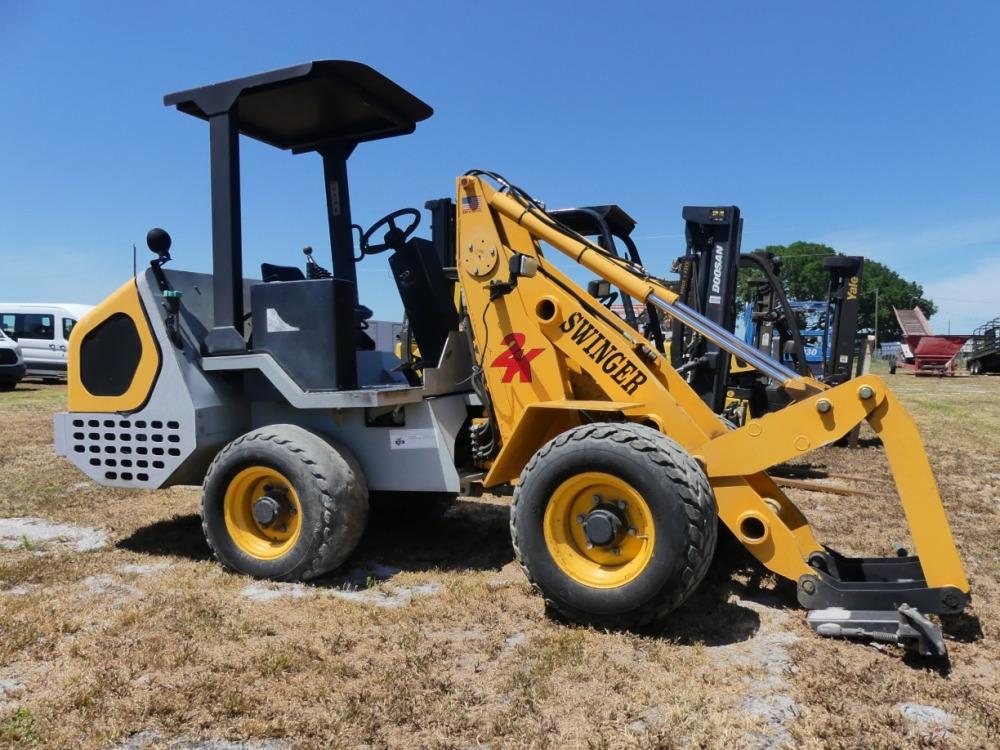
[699,503]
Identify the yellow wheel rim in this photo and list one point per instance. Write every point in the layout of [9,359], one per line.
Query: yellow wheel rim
[600,567]
[245,489]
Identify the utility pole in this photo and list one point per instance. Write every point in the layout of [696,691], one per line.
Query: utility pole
[876,318]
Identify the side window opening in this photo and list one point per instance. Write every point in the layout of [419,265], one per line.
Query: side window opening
[36,326]
[68,324]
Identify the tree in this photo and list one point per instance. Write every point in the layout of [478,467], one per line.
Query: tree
[803,277]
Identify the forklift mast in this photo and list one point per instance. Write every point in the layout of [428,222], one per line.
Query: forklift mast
[708,272]
[842,316]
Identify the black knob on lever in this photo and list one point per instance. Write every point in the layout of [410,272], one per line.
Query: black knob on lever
[313,269]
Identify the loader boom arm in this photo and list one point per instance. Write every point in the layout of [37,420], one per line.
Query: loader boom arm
[550,357]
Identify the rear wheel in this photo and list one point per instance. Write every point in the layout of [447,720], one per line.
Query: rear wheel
[975,368]
[615,524]
[284,503]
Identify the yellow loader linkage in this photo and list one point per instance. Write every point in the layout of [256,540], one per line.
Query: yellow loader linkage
[587,365]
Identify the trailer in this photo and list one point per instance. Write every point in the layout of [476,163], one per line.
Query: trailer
[984,359]
[925,352]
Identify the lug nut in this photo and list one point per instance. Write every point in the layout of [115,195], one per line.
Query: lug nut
[616,551]
[823,406]
[866,392]
[631,531]
[597,499]
[580,518]
[621,505]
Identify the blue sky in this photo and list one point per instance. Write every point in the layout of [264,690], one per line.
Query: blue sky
[873,127]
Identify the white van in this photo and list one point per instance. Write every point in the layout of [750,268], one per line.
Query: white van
[42,331]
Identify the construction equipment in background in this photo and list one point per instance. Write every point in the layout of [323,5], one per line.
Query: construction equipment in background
[620,470]
[826,329]
[984,359]
[925,352]
[708,272]
[772,324]
[840,334]
[611,226]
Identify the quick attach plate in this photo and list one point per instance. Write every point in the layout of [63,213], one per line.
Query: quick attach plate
[905,627]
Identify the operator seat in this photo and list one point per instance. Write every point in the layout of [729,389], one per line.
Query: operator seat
[427,296]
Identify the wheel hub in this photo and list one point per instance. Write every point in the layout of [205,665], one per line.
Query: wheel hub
[266,510]
[270,507]
[604,526]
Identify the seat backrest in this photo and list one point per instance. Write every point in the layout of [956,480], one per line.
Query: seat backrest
[270,272]
[427,296]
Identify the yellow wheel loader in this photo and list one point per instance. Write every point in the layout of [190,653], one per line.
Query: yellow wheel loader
[271,395]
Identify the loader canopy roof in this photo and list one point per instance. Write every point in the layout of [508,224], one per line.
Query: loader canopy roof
[326,106]
[311,105]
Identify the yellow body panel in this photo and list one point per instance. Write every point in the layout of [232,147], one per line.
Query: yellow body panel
[125,300]
[549,355]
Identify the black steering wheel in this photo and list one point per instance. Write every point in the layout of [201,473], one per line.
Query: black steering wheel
[395,237]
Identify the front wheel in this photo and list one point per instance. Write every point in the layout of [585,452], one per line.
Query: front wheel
[284,503]
[615,524]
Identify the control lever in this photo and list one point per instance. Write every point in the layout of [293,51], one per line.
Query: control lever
[313,269]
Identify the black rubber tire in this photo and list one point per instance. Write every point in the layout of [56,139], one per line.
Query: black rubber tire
[8,385]
[332,491]
[393,508]
[975,368]
[680,500]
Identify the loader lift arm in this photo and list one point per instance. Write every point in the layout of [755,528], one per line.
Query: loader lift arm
[587,364]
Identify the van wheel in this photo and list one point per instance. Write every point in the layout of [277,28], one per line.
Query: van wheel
[615,524]
[284,503]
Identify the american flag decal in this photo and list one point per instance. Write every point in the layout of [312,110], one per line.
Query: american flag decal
[470,204]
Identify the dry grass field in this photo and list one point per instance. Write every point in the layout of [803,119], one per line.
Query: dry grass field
[118,631]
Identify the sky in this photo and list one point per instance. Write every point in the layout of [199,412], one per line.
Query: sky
[871,127]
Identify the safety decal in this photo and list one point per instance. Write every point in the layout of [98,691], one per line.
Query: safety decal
[515,360]
[412,439]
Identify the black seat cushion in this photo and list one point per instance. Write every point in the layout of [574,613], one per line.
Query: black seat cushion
[270,272]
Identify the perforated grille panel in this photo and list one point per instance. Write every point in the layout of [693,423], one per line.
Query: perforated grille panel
[126,451]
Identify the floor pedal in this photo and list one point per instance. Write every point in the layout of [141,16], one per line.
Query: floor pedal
[905,626]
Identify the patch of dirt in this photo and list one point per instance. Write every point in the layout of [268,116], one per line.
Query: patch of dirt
[31,533]
[150,739]
[376,594]
[144,569]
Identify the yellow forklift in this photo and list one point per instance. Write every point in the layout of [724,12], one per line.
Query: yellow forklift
[270,394]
